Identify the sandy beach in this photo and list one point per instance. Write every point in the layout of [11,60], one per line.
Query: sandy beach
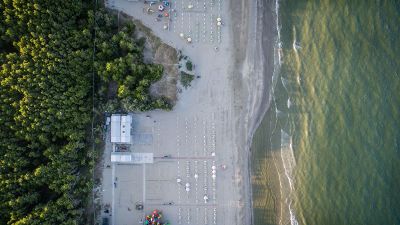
[211,125]
[255,70]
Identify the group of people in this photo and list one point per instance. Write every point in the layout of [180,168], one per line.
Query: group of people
[155,219]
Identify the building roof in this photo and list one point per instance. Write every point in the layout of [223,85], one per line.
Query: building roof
[121,128]
[126,129]
[115,128]
[132,158]
[127,158]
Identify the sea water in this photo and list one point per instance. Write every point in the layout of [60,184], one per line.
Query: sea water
[328,149]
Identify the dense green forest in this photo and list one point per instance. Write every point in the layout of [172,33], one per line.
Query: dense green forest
[56,57]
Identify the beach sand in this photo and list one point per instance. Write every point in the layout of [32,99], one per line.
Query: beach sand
[254,71]
[217,114]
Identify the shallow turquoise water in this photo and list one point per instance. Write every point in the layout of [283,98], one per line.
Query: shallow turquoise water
[337,97]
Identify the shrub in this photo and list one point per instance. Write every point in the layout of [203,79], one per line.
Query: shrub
[186,79]
[189,65]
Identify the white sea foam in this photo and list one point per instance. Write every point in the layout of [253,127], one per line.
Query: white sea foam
[289,103]
[296,46]
[278,28]
[289,163]
[285,83]
[293,220]
[287,155]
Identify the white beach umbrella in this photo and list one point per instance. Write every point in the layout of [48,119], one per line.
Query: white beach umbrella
[219,19]
[196,176]
[187,185]
[189,39]
[181,35]
[214,176]
[214,167]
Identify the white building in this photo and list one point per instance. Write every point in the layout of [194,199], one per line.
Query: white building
[132,158]
[121,158]
[121,128]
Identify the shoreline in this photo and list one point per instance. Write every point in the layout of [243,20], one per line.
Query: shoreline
[256,91]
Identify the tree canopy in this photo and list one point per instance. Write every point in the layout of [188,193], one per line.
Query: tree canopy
[49,52]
